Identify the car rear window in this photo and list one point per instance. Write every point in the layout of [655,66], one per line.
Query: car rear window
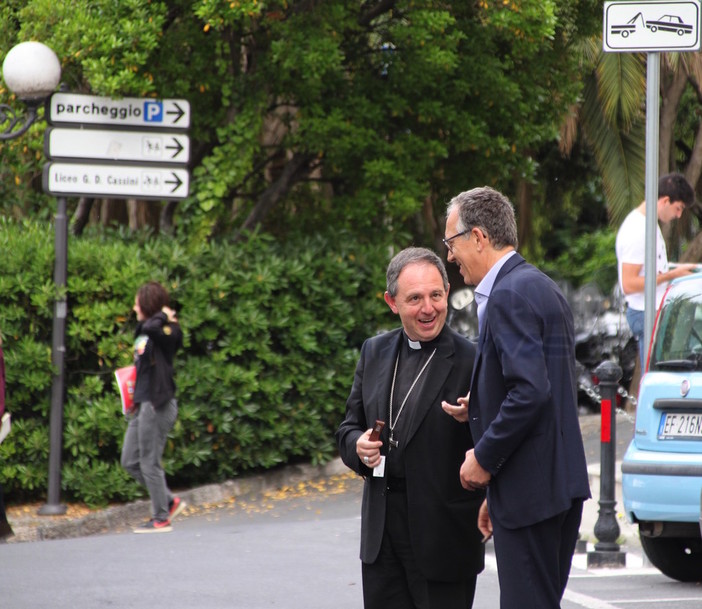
[678,339]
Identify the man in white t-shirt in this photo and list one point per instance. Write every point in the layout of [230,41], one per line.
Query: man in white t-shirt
[674,195]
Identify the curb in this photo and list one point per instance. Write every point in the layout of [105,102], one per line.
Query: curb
[122,517]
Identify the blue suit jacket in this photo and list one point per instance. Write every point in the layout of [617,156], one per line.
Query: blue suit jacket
[523,404]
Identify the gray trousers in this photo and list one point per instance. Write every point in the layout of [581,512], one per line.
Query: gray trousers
[144,442]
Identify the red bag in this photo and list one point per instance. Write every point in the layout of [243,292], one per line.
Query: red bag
[126,379]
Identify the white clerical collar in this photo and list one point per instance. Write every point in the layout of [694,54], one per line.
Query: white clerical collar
[414,344]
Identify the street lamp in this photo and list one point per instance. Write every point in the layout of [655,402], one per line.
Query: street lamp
[32,72]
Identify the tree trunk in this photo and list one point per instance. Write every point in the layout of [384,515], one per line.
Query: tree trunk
[270,197]
[81,216]
[694,251]
[166,220]
[113,211]
[133,214]
[427,225]
[694,165]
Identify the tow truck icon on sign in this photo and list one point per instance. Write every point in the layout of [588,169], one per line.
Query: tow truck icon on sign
[629,27]
[666,23]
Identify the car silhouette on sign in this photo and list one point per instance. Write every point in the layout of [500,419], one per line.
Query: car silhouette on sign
[669,23]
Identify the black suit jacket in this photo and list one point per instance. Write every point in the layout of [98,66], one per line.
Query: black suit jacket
[523,403]
[442,515]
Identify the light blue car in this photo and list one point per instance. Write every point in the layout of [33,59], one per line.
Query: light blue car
[662,467]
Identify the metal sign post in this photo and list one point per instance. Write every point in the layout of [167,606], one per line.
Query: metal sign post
[653,71]
[53,505]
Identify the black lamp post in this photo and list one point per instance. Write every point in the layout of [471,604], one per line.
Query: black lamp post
[32,72]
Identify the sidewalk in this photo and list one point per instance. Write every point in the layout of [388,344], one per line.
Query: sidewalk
[629,533]
[628,540]
[80,521]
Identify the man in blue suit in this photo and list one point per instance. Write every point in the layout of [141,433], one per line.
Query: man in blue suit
[522,407]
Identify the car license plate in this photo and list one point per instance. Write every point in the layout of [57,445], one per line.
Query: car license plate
[680,425]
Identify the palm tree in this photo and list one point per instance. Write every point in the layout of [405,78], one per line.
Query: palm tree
[612,119]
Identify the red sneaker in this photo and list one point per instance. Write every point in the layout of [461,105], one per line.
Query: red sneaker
[175,507]
[155,526]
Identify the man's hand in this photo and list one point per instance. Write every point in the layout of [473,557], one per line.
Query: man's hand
[681,270]
[484,522]
[473,476]
[458,412]
[368,452]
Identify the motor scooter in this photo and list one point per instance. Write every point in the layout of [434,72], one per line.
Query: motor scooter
[601,333]
[463,313]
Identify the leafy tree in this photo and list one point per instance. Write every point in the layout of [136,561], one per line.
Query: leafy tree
[308,114]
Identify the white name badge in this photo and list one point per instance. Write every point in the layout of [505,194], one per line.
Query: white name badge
[379,470]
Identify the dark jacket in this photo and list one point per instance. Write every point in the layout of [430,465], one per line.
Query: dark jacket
[442,515]
[523,402]
[155,364]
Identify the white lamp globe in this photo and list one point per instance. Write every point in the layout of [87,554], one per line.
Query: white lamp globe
[31,70]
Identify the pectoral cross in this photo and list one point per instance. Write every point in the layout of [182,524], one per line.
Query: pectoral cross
[393,441]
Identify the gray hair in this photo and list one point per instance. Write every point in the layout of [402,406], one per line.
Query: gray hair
[490,211]
[413,255]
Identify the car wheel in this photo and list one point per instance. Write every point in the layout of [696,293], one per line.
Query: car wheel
[677,557]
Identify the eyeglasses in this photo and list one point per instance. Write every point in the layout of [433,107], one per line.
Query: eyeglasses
[447,242]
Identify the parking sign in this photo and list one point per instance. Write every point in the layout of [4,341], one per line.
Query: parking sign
[75,108]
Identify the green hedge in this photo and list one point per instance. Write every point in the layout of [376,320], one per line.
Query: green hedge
[271,339]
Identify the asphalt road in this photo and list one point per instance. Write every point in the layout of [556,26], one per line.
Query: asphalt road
[292,550]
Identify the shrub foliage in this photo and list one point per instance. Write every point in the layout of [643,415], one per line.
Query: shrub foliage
[272,334]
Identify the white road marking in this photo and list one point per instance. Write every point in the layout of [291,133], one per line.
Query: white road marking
[587,601]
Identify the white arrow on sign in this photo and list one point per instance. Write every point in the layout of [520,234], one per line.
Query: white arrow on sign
[114,145]
[75,108]
[115,181]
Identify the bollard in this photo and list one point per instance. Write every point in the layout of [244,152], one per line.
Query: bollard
[607,552]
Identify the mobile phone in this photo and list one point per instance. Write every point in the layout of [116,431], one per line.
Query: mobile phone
[377,428]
